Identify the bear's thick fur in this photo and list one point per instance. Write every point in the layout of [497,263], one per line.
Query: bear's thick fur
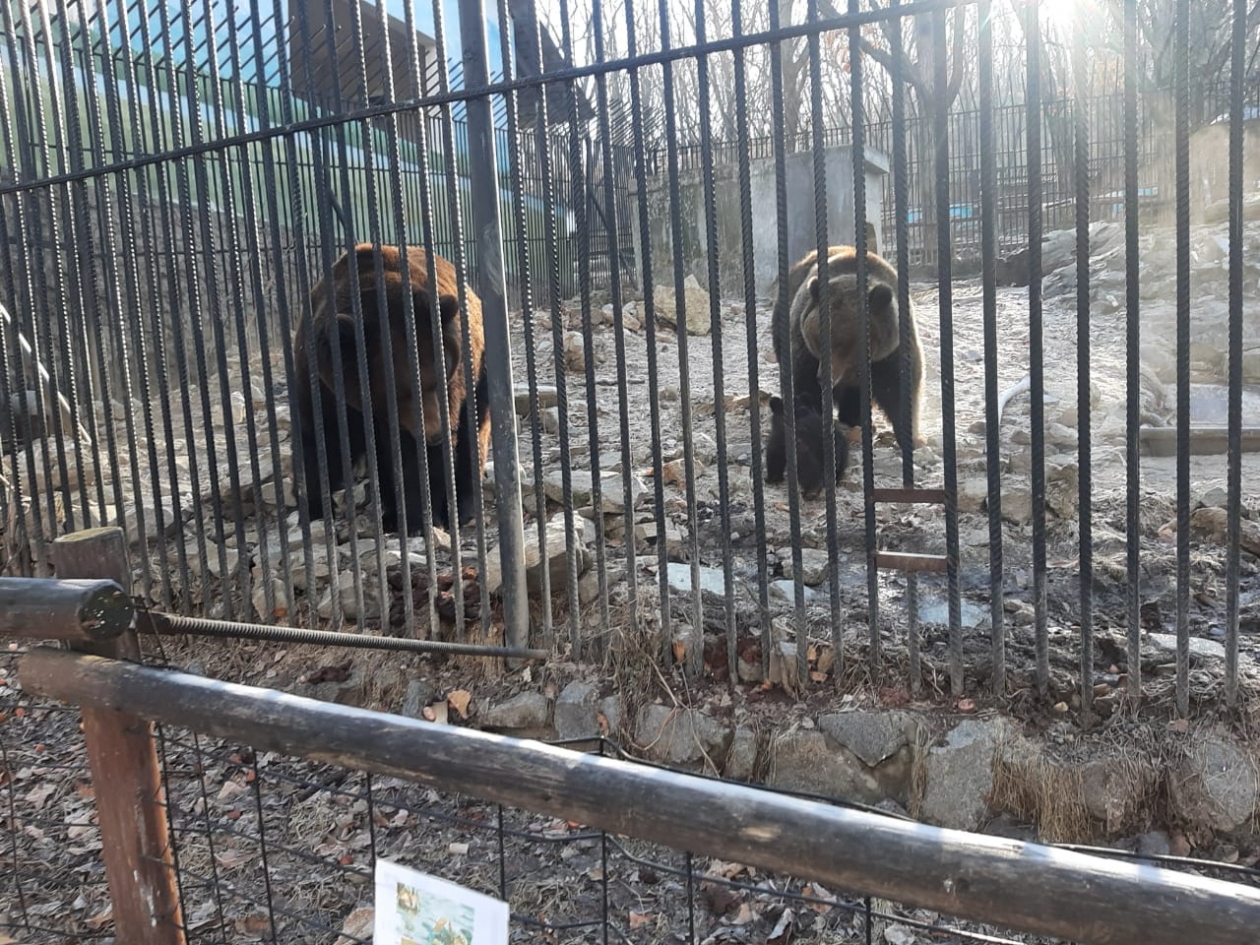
[810,458]
[797,334]
[334,312]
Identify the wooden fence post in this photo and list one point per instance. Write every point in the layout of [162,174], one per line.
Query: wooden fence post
[126,777]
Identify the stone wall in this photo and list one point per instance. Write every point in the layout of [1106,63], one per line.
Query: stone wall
[969,772]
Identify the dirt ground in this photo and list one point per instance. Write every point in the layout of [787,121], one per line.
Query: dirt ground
[319,829]
[922,528]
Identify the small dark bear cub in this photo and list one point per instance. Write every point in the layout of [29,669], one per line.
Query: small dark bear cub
[810,447]
[332,310]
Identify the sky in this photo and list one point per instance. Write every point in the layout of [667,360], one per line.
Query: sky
[145,27]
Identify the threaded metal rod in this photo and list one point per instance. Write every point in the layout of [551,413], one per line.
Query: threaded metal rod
[171,625]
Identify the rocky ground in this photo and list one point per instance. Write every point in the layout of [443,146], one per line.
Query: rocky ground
[688,430]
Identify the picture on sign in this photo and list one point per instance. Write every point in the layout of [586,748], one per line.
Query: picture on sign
[414,908]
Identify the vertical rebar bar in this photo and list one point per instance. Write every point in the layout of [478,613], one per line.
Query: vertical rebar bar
[1084,458]
[1181,84]
[1238,51]
[901,185]
[484,177]
[993,446]
[1036,364]
[945,297]
[1133,355]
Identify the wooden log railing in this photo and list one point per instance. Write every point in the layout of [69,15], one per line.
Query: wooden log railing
[1023,886]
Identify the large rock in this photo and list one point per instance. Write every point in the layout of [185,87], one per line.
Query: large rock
[1215,784]
[581,486]
[526,712]
[1251,366]
[809,761]
[557,559]
[712,580]
[610,709]
[960,774]
[696,304]
[682,737]
[873,736]
[741,760]
[815,565]
[577,711]
[1116,792]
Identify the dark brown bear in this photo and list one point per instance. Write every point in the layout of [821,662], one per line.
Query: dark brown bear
[335,312]
[810,457]
[797,333]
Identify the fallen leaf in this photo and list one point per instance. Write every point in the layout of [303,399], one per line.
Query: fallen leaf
[358,926]
[230,859]
[38,796]
[256,923]
[458,700]
[781,934]
[1180,726]
[640,919]
[724,869]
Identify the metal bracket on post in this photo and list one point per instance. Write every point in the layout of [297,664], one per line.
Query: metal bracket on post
[906,561]
[488,237]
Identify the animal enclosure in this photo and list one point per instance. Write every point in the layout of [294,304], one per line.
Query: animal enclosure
[488,336]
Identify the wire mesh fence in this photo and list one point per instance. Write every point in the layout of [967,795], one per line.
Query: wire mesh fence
[272,848]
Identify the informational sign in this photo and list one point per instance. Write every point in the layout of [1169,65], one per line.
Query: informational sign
[414,908]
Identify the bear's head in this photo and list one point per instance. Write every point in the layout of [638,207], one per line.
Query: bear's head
[404,293]
[844,316]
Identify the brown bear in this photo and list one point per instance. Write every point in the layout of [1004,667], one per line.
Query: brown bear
[797,333]
[334,312]
[810,457]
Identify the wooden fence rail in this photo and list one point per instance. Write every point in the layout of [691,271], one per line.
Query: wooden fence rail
[1023,886]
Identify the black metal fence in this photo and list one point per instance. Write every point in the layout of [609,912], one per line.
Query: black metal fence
[1104,115]
[166,225]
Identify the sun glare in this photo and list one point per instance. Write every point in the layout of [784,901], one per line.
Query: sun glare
[1061,14]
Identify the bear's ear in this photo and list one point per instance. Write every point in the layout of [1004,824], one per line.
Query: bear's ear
[813,288]
[776,404]
[448,308]
[880,298]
